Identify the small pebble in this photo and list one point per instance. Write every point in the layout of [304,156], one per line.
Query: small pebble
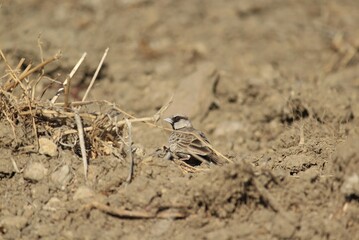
[351,185]
[47,147]
[17,222]
[35,171]
[53,204]
[62,176]
[83,192]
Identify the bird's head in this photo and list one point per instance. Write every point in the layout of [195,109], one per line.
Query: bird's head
[179,121]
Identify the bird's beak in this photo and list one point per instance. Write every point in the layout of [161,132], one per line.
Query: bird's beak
[168,120]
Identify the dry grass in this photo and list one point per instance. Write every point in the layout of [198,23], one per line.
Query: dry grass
[66,123]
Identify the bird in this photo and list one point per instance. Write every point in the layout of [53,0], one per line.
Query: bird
[186,142]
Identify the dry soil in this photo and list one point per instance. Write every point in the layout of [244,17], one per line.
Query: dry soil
[273,83]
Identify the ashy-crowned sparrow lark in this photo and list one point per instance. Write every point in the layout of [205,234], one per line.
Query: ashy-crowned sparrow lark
[185,142]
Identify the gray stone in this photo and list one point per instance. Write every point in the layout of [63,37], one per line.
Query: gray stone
[53,204]
[351,185]
[47,147]
[17,222]
[83,192]
[35,171]
[62,176]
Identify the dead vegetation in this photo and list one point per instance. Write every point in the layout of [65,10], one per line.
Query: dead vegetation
[68,124]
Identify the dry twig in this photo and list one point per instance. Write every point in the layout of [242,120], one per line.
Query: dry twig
[301,141]
[132,163]
[122,213]
[82,142]
[15,165]
[95,75]
[53,100]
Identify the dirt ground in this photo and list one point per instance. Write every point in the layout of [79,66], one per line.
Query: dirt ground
[273,83]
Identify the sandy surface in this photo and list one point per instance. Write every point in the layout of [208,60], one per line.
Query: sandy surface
[274,84]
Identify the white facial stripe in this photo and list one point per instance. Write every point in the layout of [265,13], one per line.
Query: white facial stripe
[182,123]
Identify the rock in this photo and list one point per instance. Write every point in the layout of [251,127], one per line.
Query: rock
[28,211]
[47,147]
[83,192]
[17,222]
[9,164]
[35,171]
[62,176]
[40,192]
[351,185]
[53,204]
[6,167]
[194,94]
[44,230]
[56,209]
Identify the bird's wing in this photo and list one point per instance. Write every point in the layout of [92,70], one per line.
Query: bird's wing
[194,142]
[203,149]
[198,143]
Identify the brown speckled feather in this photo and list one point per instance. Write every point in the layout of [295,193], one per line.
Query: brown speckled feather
[186,142]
